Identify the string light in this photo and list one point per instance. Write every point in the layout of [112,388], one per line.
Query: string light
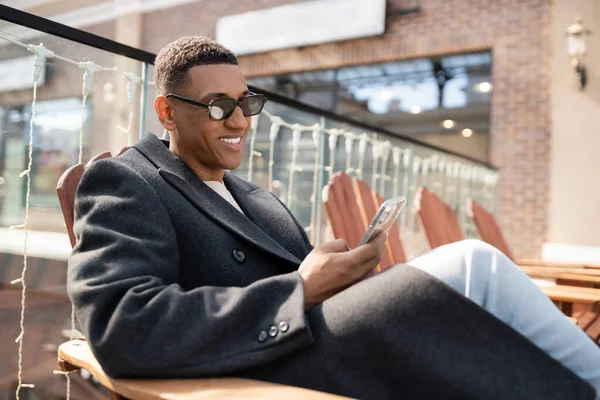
[316,138]
[253,152]
[386,148]
[293,167]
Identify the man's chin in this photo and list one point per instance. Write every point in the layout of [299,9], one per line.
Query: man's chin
[230,166]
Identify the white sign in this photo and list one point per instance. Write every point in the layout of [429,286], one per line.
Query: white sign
[302,24]
[17,73]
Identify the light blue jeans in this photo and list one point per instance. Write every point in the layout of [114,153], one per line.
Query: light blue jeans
[493,281]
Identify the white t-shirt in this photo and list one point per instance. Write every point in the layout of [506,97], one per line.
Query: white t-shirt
[220,188]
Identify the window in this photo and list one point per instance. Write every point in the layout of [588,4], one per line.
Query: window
[444,101]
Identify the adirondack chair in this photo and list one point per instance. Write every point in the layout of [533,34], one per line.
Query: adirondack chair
[441,227]
[76,354]
[350,206]
[490,232]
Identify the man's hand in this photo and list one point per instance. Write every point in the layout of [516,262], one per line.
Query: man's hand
[332,267]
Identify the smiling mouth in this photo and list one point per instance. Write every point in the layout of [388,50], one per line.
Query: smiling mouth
[231,140]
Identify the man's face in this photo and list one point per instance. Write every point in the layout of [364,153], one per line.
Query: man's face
[211,146]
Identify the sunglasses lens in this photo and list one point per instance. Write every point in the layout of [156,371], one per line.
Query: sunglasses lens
[253,105]
[221,108]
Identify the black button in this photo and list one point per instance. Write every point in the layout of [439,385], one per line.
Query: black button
[239,255]
[283,326]
[262,336]
[273,331]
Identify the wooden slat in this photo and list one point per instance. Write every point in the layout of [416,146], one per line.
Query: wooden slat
[488,228]
[593,330]
[76,353]
[572,294]
[66,188]
[585,319]
[555,264]
[342,211]
[439,221]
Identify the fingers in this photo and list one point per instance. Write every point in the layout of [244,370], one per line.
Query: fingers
[335,246]
[379,241]
[367,252]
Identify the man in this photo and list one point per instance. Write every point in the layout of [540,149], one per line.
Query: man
[184,270]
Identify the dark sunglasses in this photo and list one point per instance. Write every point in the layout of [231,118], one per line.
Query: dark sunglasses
[223,108]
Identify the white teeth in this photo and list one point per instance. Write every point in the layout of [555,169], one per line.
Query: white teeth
[231,140]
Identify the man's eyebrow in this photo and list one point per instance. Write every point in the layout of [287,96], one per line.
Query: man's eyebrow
[213,95]
[222,95]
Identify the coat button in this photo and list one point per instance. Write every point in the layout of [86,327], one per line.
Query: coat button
[239,255]
[262,336]
[273,331]
[283,326]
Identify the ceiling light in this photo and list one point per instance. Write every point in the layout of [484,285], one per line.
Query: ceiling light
[467,132]
[448,123]
[415,109]
[483,87]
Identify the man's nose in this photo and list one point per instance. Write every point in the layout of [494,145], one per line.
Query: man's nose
[237,120]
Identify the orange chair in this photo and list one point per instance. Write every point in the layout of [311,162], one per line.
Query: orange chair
[76,354]
[441,227]
[350,206]
[490,232]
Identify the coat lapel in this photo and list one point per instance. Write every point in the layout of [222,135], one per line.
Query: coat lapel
[207,201]
[268,214]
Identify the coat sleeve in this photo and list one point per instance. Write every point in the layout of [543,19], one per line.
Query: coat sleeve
[123,282]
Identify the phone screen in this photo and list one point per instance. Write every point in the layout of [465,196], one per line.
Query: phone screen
[386,216]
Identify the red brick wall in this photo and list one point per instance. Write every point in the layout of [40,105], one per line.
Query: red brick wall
[517,31]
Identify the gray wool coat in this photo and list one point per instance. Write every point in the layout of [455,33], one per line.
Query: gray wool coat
[169,280]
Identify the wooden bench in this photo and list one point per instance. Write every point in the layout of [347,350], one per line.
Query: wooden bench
[76,354]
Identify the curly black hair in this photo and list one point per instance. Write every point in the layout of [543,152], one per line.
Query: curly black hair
[175,59]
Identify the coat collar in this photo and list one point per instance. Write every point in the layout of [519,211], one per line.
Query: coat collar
[249,197]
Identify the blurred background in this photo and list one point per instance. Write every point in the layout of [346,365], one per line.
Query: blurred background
[498,100]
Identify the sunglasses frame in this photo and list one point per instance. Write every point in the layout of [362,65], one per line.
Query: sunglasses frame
[209,105]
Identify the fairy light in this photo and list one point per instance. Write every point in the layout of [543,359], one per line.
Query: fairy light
[416,167]
[132,81]
[333,137]
[296,136]
[253,152]
[386,149]
[316,138]
[349,144]
[276,124]
[41,54]
[435,183]
[376,150]
[362,149]
[406,160]
[396,154]
[441,167]
[425,172]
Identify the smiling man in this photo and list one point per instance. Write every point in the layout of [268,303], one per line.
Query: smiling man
[182,269]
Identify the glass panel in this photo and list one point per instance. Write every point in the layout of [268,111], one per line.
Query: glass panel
[106,119]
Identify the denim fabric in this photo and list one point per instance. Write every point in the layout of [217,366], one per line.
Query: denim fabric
[492,280]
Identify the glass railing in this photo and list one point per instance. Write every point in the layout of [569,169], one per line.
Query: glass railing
[94,95]
[91,100]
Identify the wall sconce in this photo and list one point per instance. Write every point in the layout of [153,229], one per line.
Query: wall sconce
[576,47]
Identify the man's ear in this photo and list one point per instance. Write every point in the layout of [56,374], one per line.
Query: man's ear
[164,112]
